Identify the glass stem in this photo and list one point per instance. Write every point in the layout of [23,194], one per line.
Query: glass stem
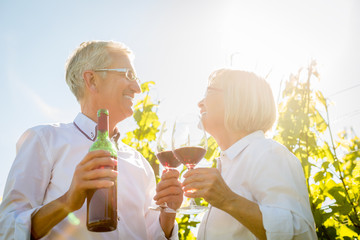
[192,203]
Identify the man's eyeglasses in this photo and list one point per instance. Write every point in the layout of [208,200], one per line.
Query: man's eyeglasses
[129,74]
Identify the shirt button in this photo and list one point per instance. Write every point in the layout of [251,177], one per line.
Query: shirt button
[92,134]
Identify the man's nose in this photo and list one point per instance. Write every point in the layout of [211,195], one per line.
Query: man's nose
[136,87]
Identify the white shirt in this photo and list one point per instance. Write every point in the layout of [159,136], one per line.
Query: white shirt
[42,172]
[265,172]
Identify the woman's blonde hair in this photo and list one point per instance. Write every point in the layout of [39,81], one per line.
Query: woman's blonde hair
[89,56]
[249,102]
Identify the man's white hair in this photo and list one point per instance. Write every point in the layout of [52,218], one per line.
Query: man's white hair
[90,55]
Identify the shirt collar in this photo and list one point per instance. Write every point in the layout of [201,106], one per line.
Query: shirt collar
[241,144]
[89,128]
[86,126]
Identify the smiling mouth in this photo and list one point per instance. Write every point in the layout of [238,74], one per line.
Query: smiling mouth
[128,97]
[203,113]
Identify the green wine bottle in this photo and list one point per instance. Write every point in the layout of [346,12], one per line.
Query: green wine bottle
[102,203]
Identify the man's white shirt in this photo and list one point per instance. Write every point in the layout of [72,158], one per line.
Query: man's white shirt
[43,170]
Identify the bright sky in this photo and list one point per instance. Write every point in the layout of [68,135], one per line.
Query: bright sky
[177,44]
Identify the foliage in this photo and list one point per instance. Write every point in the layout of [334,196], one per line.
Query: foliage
[331,168]
[147,126]
[185,224]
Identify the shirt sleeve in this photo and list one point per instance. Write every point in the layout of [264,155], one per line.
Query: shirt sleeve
[152,219]
[25,187]
[155,229]
[279,188]
[287,225]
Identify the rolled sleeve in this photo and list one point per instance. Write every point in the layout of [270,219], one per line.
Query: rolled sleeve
[283,224]
[23,224]
[17,224]
[154,227]
[282,196]
[277,222]
[160,235]
[25,188]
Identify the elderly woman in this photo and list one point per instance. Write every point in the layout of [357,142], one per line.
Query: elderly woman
[258,190]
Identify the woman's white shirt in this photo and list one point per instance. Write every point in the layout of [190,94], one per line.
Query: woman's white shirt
[265,172]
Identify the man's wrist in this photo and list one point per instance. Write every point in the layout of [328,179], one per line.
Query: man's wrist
[64,200]
[167,222]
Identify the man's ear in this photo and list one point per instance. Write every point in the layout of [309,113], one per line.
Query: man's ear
[89,79]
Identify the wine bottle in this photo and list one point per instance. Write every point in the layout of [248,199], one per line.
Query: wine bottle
[102,203]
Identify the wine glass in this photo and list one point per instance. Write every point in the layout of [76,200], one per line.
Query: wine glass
[189,145]
[166,157]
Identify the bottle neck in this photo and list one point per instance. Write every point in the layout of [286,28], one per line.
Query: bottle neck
[103,124]
[102,134]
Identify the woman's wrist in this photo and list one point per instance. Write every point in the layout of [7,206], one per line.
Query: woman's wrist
[231,203]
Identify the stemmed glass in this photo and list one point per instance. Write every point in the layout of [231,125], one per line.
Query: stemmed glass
[166,157]
[189,145]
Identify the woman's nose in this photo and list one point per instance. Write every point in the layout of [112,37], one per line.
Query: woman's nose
[201,103]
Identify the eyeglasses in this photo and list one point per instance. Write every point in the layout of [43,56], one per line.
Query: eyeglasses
[213,89]
[129,74]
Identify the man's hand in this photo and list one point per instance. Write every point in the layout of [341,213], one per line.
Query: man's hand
[89,174]
[169,190]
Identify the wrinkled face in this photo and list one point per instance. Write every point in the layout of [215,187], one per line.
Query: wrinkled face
[212,109]
[115,91]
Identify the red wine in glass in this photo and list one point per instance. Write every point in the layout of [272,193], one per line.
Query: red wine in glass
[167,159]
[189,144]
[189,156]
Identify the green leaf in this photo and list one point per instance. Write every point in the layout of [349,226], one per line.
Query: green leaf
[320,176]
[320,97]
[145,86]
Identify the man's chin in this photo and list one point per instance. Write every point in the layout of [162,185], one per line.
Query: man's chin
[128,113]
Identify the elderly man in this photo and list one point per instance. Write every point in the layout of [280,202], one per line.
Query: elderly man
[47,184]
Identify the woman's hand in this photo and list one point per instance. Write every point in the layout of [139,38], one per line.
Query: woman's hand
[208,184]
